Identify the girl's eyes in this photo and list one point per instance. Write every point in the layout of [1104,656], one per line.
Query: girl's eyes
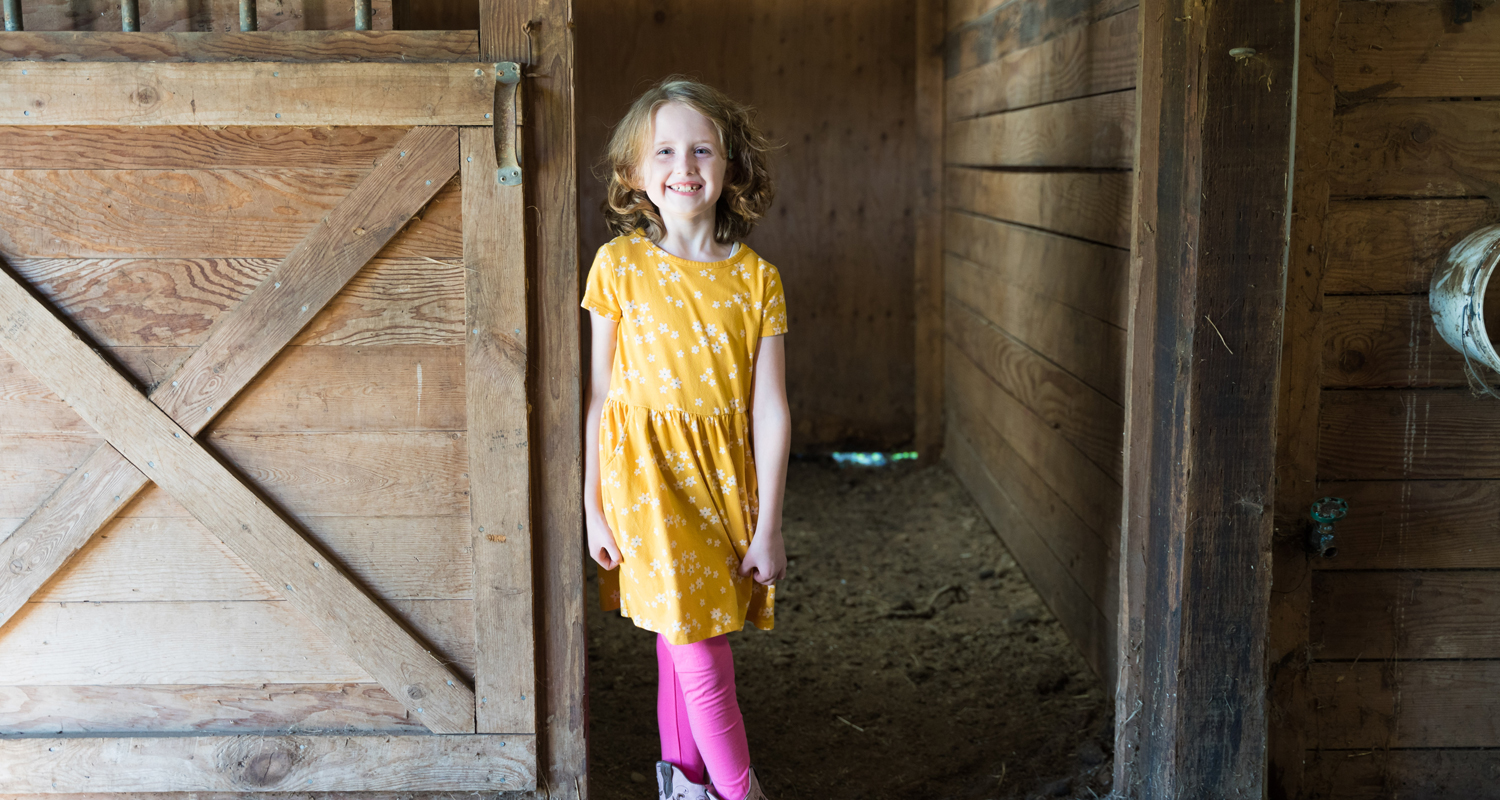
[702,151]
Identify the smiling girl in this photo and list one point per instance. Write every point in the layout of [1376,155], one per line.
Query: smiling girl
[688,429]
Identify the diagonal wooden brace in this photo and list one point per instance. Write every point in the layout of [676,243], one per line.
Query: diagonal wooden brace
[244,341]
[169,456]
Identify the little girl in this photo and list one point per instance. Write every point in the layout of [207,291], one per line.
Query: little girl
[687,416]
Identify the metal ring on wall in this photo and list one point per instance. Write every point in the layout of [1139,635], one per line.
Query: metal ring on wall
[1456,297]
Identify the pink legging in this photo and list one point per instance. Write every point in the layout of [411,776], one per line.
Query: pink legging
[699,715]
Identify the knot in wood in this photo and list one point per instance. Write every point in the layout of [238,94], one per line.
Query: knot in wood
[416,692]
[145,95]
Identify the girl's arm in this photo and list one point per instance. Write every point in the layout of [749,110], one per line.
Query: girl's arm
[601,539]
[771,431]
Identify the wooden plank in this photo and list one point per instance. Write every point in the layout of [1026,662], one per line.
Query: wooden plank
[1086,205]
[246,93]
[1095,132]
[198,15]
[187,147]
[540,33]
[1090,421]
[1406,148]
[128,303]
[1390,246]
[960,12]
[169,456]
[380,46]
[1409,615]
[1386,341]
[1089,349]
[1375,706]
[1208,292]
[33,465]
[1086,489]
[1417,525]
[1366,775]
[1094,59]
[984,37]
[927,263]
[146,559]
[1414,50]
[1386,434]
[195,214]
[499,440]
[269,763]
[1088,629]
[263,709]
[1080,275]
[245,339]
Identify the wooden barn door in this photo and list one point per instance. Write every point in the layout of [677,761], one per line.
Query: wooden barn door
[263,433]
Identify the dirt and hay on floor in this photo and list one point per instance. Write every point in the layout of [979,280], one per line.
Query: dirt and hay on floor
[911,659]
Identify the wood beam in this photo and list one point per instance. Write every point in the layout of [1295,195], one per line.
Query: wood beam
[1212,178]
[254,763]
[246,93]
[408,47]
[170,456]
[499,441]
[928,290]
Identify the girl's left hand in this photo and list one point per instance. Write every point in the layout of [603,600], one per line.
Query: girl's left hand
[766,559]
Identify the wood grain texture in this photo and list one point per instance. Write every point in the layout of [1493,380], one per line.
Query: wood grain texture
[246,93]
[1418,52]
[499,440]
[188,15]
[258,763]
[1373,706]
[1087,205]
[1086,277]
[1092,59]
[1406,615]
[1356,775]
[173,460]
[1090,421]
[1385,434]
[927,286]
[1386,341]
[1096,132]
[187,147]
[378,46]
[1088,490]
[1407,148]
[196,213]
[1089,349]
[98,644]
[263,709]
[832,83]
[1417,525]
[1008,27]
[158,559]
[1088,628]
[1391,246]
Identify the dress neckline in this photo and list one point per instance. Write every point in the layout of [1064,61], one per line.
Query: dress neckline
[735,256]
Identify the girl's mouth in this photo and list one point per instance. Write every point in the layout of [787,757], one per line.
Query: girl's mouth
[686,188]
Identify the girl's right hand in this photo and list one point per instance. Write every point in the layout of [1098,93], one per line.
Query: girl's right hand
[602,547]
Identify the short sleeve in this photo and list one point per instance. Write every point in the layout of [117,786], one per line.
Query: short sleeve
[773,315]
[599,289]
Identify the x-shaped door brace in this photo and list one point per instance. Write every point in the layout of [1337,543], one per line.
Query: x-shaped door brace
[151,439]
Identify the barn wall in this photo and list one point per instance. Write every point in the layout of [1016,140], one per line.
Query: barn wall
[1039,143]
[201,16]
[1404,654]
[833,83]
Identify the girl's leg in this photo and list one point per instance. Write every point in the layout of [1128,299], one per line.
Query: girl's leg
[677,746]
[705,670]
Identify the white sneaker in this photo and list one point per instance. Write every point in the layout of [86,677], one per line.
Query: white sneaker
[673,785]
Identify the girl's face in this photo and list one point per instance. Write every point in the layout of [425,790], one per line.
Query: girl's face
[683,171]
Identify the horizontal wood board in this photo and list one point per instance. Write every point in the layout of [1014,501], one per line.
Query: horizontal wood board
[305,46]
[200,15]
[1094,132]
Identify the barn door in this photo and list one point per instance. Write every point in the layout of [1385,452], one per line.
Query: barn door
[263,439]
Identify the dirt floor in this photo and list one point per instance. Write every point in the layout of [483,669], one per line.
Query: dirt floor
[911,659]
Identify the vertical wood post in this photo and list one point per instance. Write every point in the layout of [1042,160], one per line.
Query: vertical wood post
[1216,100]
[13,21]
[539,35]
[929,233]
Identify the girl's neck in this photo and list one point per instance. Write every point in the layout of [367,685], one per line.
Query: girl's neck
[693,239]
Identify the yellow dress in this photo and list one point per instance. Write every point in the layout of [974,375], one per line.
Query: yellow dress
[676,472]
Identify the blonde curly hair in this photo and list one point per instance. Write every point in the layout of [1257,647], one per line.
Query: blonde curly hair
[747,181]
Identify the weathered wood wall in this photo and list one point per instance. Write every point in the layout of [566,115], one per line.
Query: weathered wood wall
[1039,144]
[204,16]
[832,81]
[1402,650]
